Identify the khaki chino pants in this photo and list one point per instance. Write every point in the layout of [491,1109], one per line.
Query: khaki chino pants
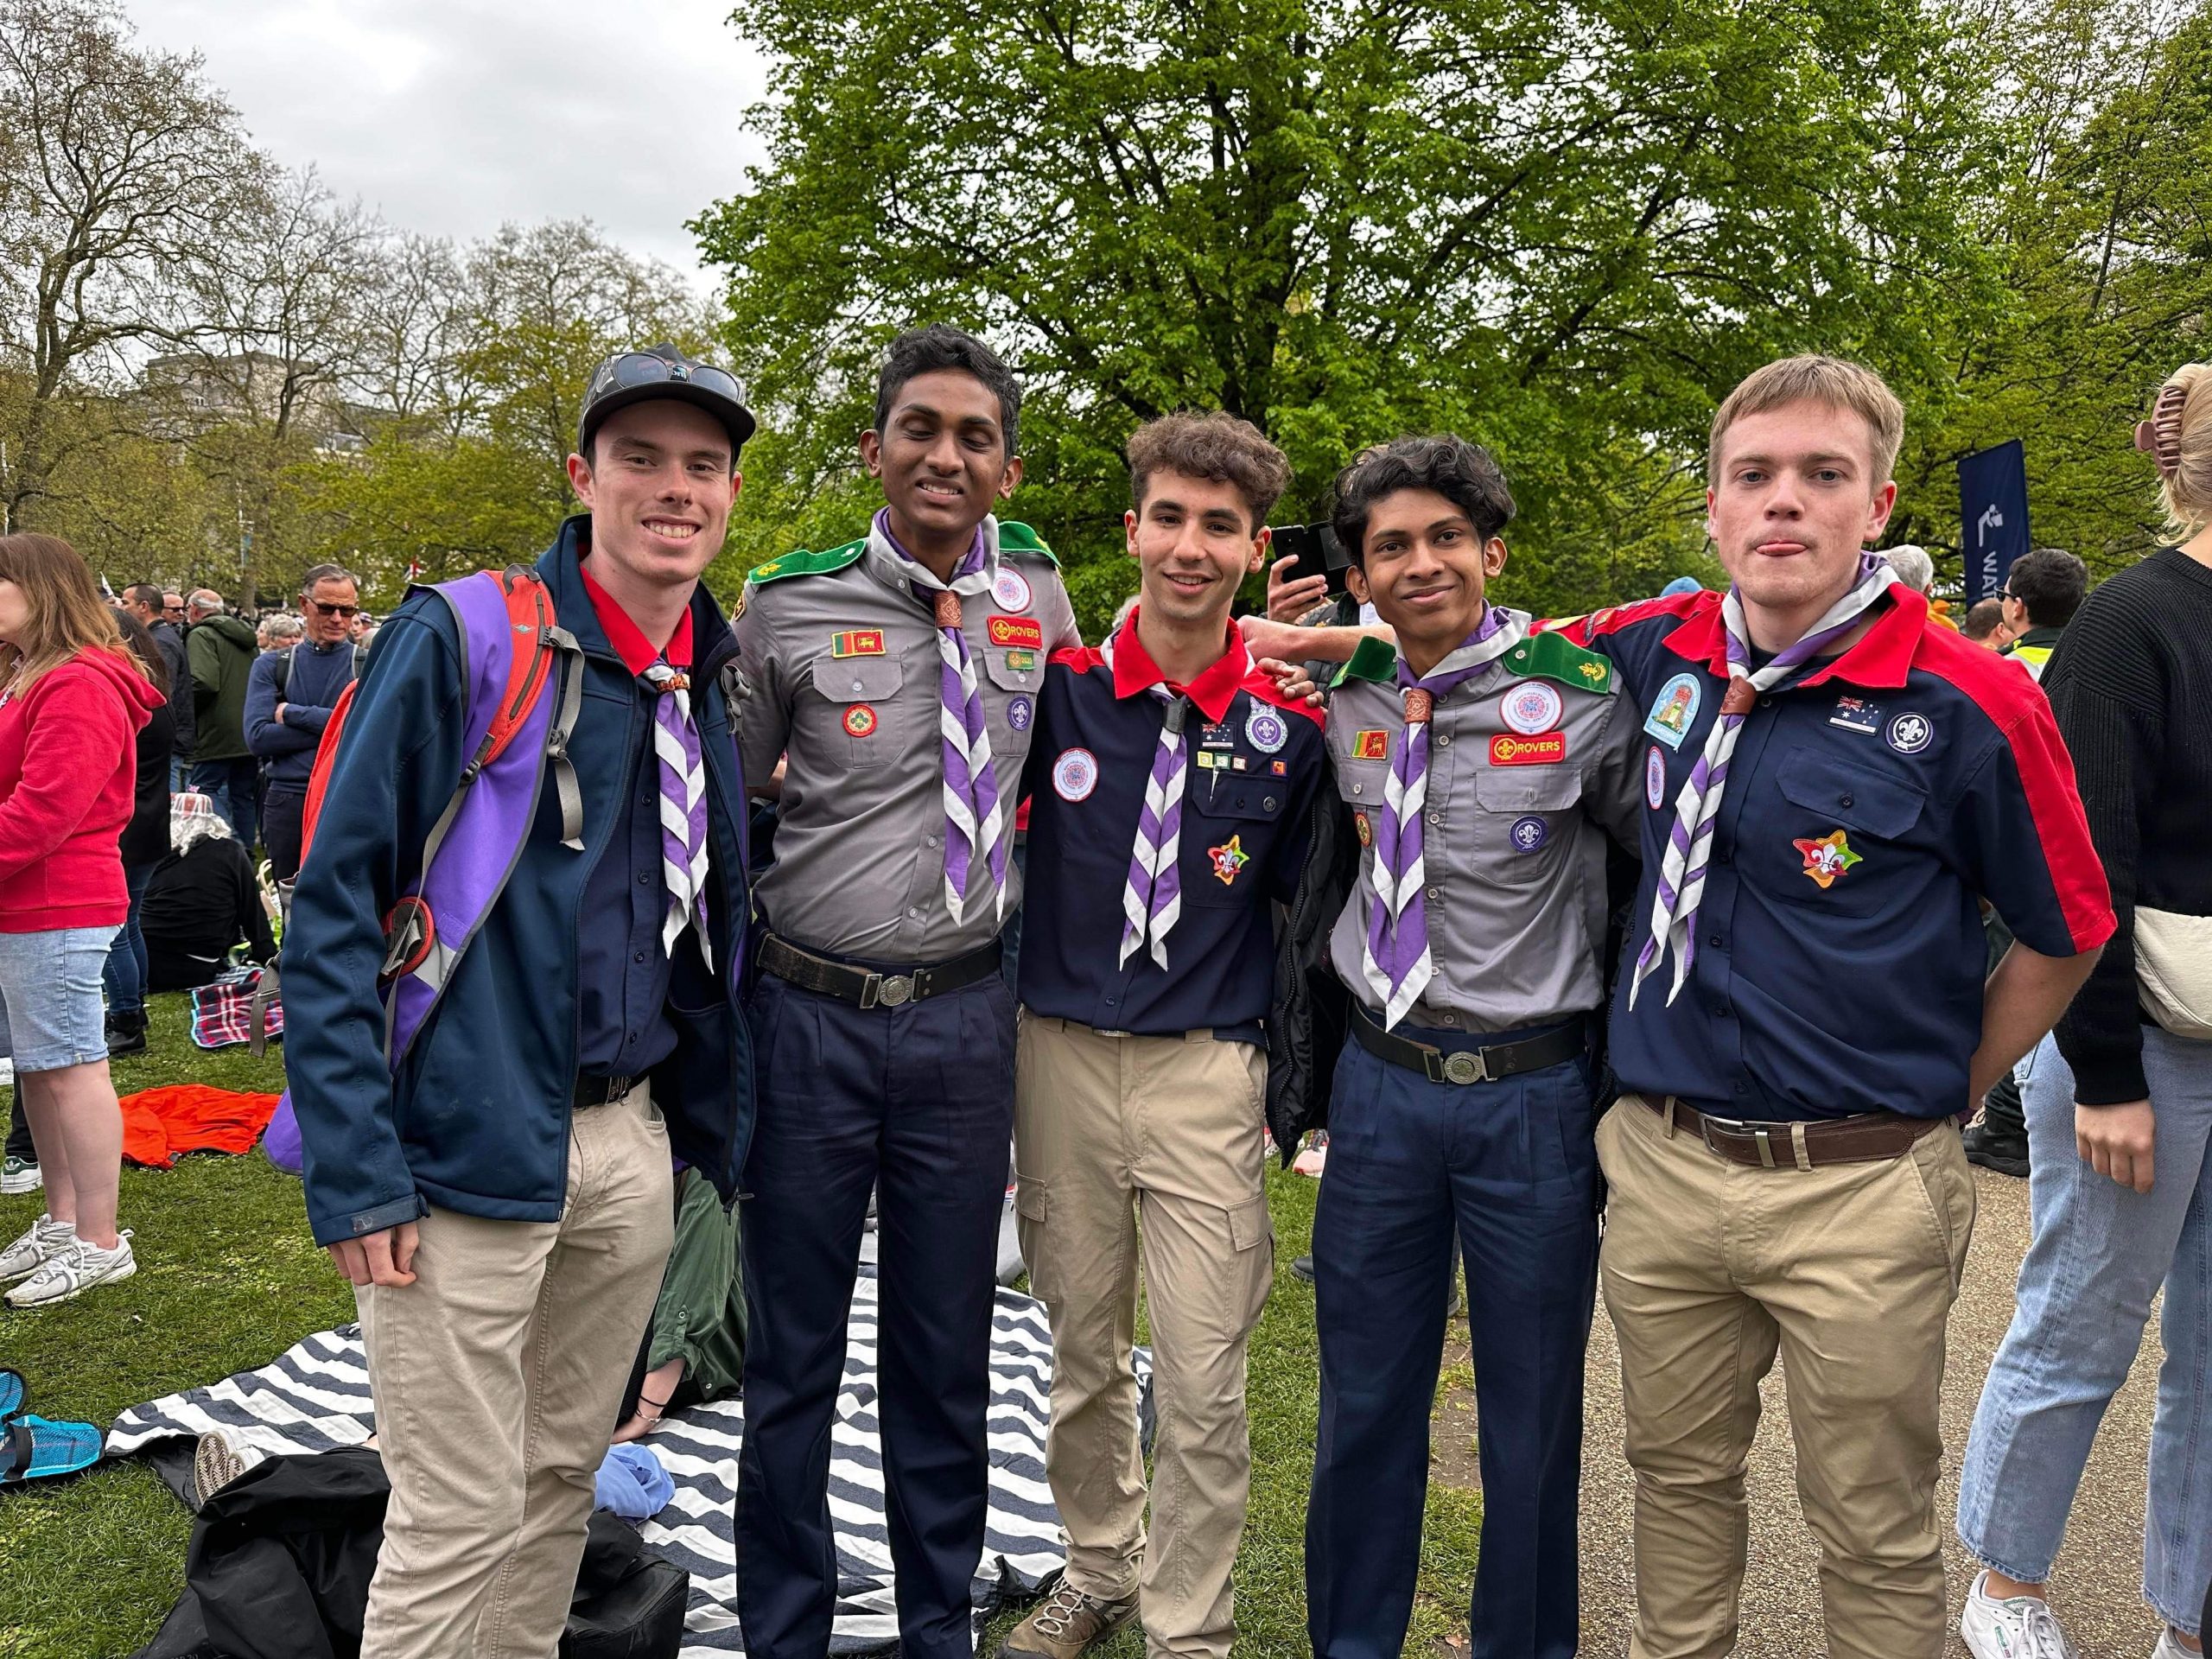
[496,1375]
[1848,1271]
[1112,1132]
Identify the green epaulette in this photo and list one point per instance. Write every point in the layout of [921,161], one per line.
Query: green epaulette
[803,563]
[1370,660]
[1016,538]
[1554,656]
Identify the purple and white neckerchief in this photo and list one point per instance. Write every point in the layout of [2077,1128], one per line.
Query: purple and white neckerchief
[975,826]
[1689,844]
[1395,964]
[683,807]
[1152,897]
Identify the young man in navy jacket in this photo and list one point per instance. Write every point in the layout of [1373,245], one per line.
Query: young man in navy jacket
[503,1204]
[1170,782]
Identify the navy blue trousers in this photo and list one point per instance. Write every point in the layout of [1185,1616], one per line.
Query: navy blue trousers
[1510,1166]
[917,1102]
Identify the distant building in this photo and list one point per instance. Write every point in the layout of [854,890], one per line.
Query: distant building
[189,392]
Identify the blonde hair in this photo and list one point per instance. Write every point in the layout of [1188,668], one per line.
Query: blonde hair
[1812,378]
[2186,491]
[67,613]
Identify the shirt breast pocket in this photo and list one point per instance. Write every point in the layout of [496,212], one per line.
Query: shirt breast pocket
[1525,823]
[1009,695]
[1845,846]
[1230,825]
[856,710]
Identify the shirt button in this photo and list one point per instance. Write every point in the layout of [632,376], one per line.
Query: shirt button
[1436,893]
[1714,939]
[1843,800]
[1451,1018]
[931,842]
[644,880]
[1742,1088]
[1268,805]
[632,1038]
[640,957]
[1359,789]
[1436,817]
[1443,739]
[1766,703]
[1113,1001]
[856,685]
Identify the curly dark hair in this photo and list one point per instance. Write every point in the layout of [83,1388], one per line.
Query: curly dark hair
[1462,473]
[1218,447]
[924,351]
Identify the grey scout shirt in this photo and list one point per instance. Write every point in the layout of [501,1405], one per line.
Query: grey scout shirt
[840,667]
[1531,762]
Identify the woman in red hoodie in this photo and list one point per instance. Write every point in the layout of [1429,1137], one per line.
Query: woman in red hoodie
[71,700]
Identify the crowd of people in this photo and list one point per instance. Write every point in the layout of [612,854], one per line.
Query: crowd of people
[1715,915]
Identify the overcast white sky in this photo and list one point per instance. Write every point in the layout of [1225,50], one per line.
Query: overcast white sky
[452,117]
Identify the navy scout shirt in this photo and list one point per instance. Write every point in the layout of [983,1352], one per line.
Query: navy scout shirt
[1872,800]
[1255,761]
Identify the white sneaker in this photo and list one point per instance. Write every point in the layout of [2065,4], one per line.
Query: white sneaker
[2170,1647]
[19,1175]
[29,1252]
[2020,1627]
[73,1270]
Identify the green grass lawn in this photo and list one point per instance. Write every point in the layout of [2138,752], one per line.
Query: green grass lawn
[228,1279]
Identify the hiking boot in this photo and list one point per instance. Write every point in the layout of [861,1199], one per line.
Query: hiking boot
[27,1254]
[1301,1266]
[20,1175]
[126,1031]
[1065,1623]
[2004,1151]
[2020,1627]
[71,1270]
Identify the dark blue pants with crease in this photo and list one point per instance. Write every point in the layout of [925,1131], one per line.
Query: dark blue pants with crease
[1512,1168]
[917,1102]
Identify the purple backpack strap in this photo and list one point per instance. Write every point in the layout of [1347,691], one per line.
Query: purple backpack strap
[473,848]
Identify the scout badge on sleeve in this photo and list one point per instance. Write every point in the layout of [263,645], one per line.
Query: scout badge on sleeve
[1010,588]
[1265,730]
[1911,732]
[1673,710]
[1531,707]
[1075,774]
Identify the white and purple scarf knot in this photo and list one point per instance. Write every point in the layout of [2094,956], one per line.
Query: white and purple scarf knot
[974,825]
[1697,808]
[1395,962]
[682,808]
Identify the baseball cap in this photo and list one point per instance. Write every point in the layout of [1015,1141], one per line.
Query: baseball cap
[662,371]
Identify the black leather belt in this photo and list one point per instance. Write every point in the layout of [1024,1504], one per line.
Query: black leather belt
[864,987]
[600,1091]
[1492,1064]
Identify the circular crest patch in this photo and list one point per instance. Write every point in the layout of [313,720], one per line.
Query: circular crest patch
[859,720]
[1011,588]
[1018,712]
[1530,833]
[1911,732]
[1655,777]
[1366,829]
[1531,707]
[1265,730]
[1075,774]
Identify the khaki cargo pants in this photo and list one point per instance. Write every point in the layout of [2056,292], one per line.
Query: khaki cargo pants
[1114,1136]
[496,1375]
[1848,1271]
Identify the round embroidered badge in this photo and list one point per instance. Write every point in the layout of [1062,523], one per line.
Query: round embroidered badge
[1264,729]
[1019,713]
[859,720]
[1011,588]
[1531,707]
[1530,833]
[1075,774]
[1655,777]
[1911,732]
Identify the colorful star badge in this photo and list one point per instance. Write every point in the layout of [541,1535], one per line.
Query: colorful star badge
[1827,858]
[1229,858]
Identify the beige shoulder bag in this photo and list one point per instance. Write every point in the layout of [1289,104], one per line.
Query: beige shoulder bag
[2173,970]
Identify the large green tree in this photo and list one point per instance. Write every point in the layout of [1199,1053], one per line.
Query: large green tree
[1564,230]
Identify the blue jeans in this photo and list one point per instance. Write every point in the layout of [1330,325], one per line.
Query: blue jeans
[1511,1168]
[125,974]
[234,786]
[2100,1253]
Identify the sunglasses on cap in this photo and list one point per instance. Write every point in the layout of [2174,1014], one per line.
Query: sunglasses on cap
[634,368]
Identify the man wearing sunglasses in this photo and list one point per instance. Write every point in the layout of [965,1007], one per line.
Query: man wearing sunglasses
[288,701]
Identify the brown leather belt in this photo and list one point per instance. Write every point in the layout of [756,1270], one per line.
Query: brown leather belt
[1868,1138]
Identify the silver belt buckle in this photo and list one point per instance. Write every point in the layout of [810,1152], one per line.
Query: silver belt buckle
[1463,1067]
[893,990]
